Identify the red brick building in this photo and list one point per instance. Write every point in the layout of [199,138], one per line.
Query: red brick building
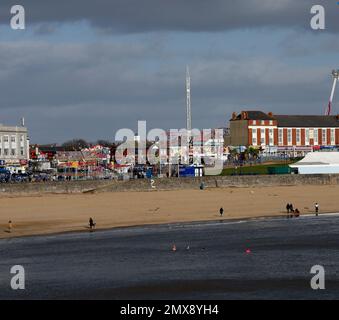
[284,132]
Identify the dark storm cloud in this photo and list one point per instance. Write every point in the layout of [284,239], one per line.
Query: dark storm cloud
[92,90]
[77,74]
[182,15]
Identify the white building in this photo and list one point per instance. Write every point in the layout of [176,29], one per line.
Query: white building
[14,145]
[318,163]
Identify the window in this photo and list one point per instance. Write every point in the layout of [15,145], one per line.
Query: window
[271,137]
[13,152]
[315,136]
[289,136]
[21,151]
[280,137]
[13,139]
[254,137]
[332,136]
[262,122]
[298,136]
[6,152]
[5,138]
[312,133]
[254,122]
[271,122]
[307,136]
[262,136]
[21,138]
[324,137]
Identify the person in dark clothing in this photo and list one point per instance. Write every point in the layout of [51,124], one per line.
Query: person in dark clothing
[316,207]
[288,208]
[221,211]
[91,223]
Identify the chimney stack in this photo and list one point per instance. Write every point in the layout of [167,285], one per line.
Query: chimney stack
[244,115]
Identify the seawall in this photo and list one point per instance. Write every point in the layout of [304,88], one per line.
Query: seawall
[7,189]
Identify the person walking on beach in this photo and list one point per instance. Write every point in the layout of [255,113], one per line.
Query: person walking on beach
[221,211]
[290,210]
[316,207]
[10,226]
[91,224]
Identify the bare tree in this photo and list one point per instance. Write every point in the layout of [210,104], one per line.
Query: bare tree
[104,143]
[76,144]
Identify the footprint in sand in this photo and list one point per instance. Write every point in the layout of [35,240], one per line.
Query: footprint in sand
[154,210]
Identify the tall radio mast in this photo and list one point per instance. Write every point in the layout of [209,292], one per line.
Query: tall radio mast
[188,100]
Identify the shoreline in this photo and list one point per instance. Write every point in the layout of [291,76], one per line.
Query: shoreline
[170,224]
[65,213]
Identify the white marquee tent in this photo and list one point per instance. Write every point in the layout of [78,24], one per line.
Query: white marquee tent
[318,163]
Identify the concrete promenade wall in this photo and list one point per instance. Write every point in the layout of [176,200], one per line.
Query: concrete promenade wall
[165,184]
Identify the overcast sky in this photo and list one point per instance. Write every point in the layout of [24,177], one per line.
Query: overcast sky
[84,69]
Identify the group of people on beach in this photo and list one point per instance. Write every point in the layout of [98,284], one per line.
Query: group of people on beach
[291,212]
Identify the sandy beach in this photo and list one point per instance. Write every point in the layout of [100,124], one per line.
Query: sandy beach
[45,214]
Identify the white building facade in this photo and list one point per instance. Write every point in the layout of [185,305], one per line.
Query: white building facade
[14,145]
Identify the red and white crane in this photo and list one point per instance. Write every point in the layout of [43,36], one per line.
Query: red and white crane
[335,74]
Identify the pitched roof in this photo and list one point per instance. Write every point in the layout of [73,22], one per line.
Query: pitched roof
[254,115]
[308,121]
[296,121]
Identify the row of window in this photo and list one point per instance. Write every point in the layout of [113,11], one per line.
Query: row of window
[12,152]
[261,122]
[309,134]
[263,137]
[13,138]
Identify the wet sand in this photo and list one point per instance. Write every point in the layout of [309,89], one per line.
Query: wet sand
[45,214]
